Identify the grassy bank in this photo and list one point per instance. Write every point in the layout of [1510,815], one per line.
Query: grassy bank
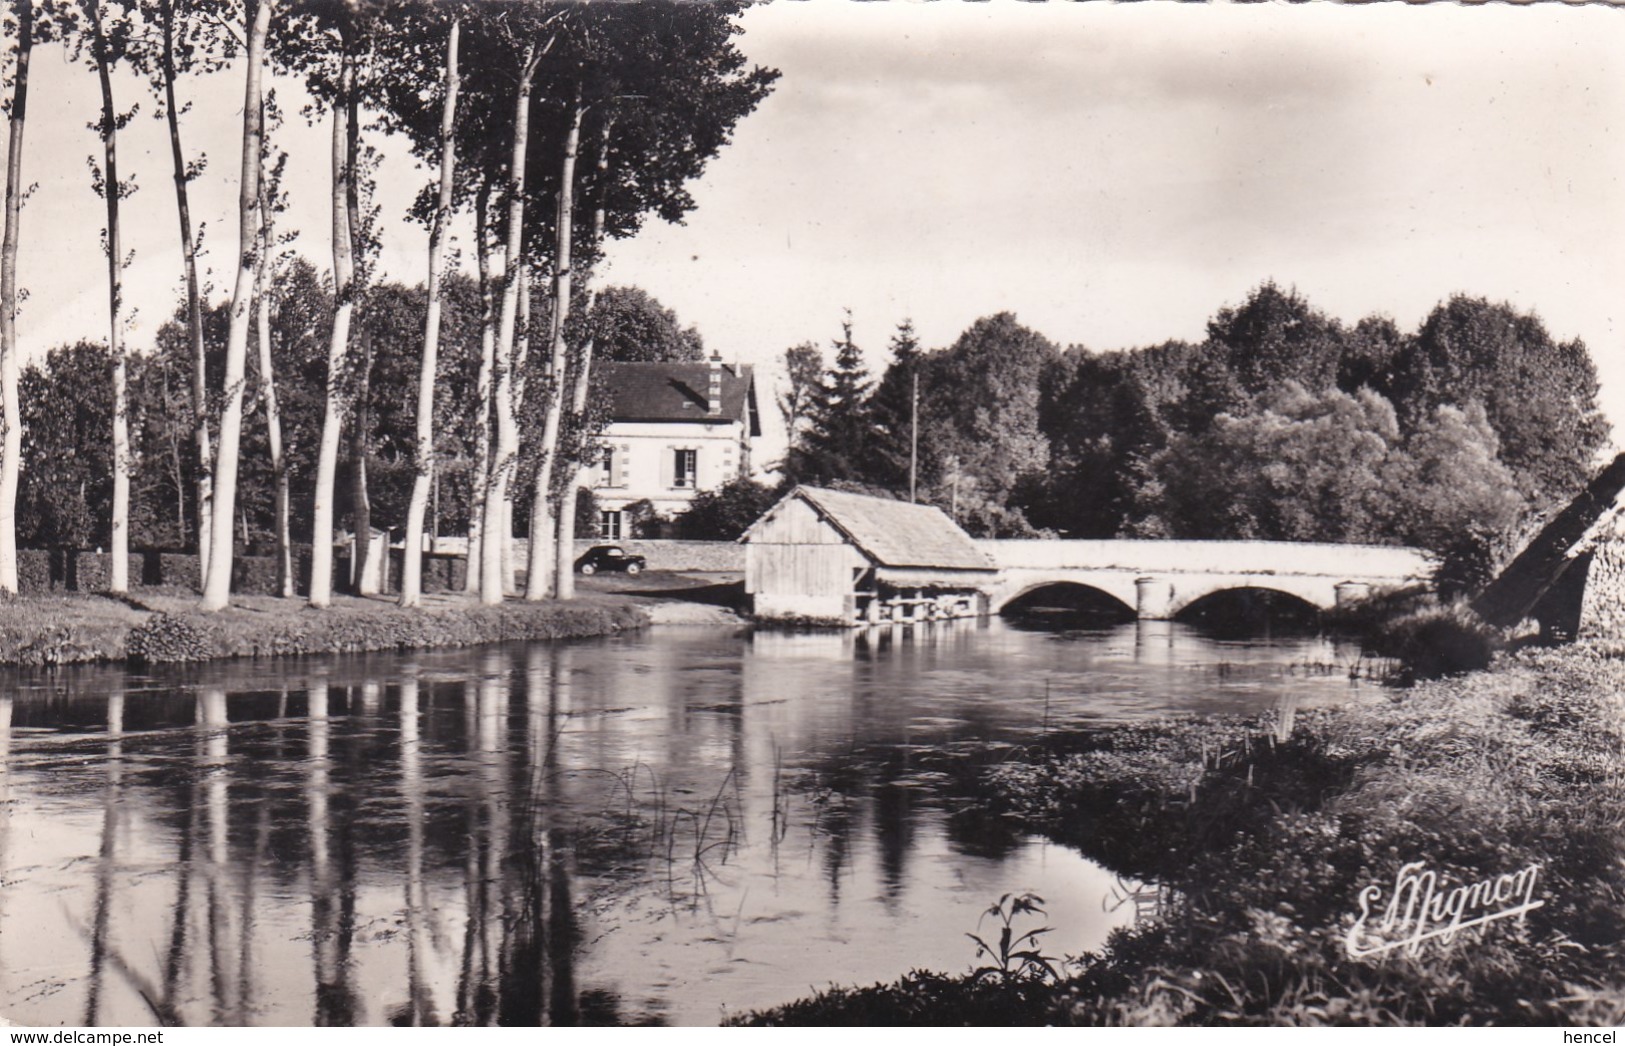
[1263,841]
[158,625]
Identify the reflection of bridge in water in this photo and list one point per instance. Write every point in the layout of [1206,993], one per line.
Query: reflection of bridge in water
[1160,579]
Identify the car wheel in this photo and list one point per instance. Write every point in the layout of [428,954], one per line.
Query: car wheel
[588,569]
[632,568]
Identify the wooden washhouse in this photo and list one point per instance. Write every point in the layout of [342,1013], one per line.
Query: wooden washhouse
[833,556]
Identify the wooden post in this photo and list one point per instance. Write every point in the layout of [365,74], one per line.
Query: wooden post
[914,440]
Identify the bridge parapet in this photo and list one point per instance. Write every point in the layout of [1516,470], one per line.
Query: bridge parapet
[1365,563]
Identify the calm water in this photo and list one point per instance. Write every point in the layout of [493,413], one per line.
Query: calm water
[668,827]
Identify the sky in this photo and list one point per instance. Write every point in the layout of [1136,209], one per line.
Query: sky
[1111,173]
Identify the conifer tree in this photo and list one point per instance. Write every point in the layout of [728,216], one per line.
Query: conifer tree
[840,432]
[892,414]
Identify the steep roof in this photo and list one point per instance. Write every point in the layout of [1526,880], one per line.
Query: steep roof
[677,392]
[896,533]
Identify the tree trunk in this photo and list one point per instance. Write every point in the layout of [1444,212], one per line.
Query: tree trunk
[361,421]
[273,413]
[119,543]
[507,420]
[564,568]
[360,503]
[11,431]
[194,299]
[217,583]
[482,410]
[327,455]
[491,573]
[542,526]
[177,469]
[412,560]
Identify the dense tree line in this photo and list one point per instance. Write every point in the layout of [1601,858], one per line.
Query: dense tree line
[1283,423]
[557,126]
[66,488]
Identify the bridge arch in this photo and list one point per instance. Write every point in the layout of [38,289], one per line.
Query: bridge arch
[1316,593]
[1068,595]
[1248,606]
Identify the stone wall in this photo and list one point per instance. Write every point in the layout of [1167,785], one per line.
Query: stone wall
[1525,581]
[66,570]
[704,556]
[1602,608]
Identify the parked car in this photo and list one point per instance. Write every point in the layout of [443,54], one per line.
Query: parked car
[609,557]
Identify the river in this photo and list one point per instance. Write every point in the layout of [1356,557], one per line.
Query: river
[667,827]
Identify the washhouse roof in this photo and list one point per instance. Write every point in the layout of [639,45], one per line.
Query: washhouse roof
[893,533]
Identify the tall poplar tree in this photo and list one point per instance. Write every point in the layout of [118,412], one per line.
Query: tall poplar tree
[424,463]
[217,582]
[105,40]
[22,28]
[183,39]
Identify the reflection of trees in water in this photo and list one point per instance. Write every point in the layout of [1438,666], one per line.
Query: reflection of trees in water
[111,803]
[894,832]
[520,936]
[451,789]
[333,895]
[419,1010]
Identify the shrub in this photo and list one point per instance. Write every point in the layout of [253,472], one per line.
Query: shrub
[642,520]
[166,638]
[1469,563]
[92,571]
[34,572]
[256,575]
[1433,642]
[724,513]
[178,568]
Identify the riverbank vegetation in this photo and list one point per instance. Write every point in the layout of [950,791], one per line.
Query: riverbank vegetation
[1259,839]
[165,625]
[1422,635]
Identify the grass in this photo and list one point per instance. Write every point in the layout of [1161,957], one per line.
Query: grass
[60,628]
[164,624]
[1263,844]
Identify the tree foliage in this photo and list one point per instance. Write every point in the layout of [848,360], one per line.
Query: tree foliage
[1283,424]
[724,513]
[630,326]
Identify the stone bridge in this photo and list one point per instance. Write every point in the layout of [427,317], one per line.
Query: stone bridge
[1158,579]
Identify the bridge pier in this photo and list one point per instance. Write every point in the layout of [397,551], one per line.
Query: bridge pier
[1349,591]
[1153,598]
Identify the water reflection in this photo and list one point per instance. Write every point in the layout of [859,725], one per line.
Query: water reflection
[658,828]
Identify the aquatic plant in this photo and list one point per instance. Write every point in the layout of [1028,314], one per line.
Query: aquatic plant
[1016,957]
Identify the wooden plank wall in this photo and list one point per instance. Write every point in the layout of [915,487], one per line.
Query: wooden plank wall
[794,552]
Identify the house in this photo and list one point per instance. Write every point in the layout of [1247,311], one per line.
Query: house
[836,556]
[675,429]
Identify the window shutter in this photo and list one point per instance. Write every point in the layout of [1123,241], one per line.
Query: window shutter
[617,467]
[668,468]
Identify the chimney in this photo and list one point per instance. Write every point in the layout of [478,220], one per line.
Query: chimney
[713,395]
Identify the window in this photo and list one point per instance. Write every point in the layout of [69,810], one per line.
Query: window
[609,526]
[606,461]
[685,468]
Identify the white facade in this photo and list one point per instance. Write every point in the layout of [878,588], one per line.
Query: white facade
[668,460]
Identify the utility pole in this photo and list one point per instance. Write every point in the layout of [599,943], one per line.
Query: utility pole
[914,439]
